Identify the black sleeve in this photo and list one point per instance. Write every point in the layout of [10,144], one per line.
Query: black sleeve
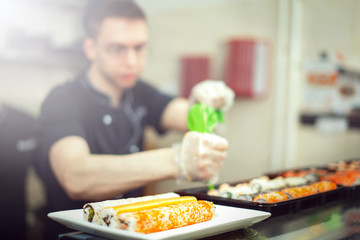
[155,102]
[60,117]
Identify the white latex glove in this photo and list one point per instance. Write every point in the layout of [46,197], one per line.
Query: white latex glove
[213,93]
[200,156]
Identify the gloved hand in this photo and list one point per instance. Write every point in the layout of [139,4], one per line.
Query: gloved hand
[213,93]
[200,156]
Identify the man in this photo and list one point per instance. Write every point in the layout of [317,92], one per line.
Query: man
[92,127]
[17,151]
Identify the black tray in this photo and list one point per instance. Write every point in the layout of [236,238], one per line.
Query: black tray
[276,209]
[348,192]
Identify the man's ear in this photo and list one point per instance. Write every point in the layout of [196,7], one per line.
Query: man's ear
[89,48]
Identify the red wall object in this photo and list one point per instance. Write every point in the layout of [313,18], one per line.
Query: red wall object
[247,67]
[194,69]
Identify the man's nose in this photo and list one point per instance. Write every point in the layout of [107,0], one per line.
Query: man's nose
[131,57]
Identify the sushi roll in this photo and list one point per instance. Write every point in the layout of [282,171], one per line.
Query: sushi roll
[297,192]
[158,215]
[346,178]
[259,184]
[266,185]
[277,183]
[213,192]
[225,190]
[244,197]
[242,189]
[290,173]
[295,181]
[225,187]
[354,165]
[356,182]
[92,211]
[312,177]
[271,197]
[324,186]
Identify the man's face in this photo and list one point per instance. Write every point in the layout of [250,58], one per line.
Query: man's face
[120,51]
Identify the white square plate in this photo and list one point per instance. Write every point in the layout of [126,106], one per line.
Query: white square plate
[225,219]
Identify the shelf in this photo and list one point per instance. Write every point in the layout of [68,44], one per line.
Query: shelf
[41,60]
[310,118]
[77,5]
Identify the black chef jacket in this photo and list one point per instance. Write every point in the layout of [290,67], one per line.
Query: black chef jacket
[17,151]
[76,108]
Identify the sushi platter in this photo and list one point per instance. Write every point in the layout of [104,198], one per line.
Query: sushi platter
[161,216]
[225,219]
[289,191]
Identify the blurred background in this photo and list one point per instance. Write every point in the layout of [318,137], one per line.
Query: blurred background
[293,64]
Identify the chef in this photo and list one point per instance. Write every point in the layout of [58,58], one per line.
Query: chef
[92,127]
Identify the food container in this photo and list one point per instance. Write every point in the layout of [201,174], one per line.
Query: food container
[291,206]
[350,192]
[276,209]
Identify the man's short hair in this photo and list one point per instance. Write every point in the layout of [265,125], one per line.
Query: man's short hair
[98,10]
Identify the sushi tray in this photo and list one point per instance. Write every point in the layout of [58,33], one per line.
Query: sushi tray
[289,191]
[344,173]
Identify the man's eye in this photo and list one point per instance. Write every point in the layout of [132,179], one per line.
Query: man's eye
[115,49]
[118,49]
[139,48]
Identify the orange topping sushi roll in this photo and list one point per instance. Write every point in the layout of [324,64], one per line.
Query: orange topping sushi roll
[324,186]
[297,192]
[271,197]
[172,214]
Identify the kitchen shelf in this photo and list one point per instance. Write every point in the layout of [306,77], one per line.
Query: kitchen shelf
[310,118]
[41,60]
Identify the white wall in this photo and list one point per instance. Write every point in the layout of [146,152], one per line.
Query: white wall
[204,29]
[36,42]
